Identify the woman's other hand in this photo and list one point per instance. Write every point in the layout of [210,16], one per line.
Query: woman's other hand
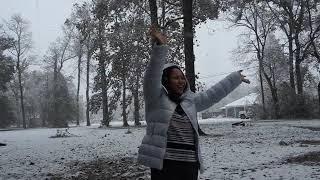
[157,36]
[243,77]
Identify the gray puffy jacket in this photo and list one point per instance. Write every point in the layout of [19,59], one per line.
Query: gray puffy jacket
[159,108]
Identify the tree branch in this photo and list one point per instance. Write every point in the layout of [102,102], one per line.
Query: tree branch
[168,23]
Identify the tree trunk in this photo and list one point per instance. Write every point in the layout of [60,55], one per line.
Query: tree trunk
[21,95]
[153,12]
[104,91]
[136,101]
[260,56]
[298,29]
[289,33]
[264,113]
[78,89]
[124,103]
[188,43]
[46,108]
[52,116]
[102,71]
[16,97]
[300,111]
[291,72]
[297,65]
[87,90]
[274,96]
[299,78]
[318,57]
[262,95]
[319,96]
[188,47]
[163,13]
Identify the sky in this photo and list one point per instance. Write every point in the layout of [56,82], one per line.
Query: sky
[215,39]
[46,18]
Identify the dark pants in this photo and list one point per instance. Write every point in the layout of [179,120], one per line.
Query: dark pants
[176,170]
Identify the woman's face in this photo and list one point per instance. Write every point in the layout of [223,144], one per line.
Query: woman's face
[176,81]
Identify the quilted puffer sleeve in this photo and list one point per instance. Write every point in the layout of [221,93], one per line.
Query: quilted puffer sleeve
[152,77]
[206,99]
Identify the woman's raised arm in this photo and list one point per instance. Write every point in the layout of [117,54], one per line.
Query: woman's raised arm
[152,77]
[206,99]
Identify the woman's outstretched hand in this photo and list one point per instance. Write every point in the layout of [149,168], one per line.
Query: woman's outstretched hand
[157,36]
[243,77]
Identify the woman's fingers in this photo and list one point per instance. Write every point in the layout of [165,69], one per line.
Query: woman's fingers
[152,28]
[162,38]
[246,81]
[156,35]
[242,77]
[152,31]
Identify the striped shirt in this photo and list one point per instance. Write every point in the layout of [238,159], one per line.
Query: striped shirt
[181,138]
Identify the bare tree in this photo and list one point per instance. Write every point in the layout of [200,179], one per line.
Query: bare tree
[314,36]
[59,53]
[80,18]
[275,71]
[260,24]
[285,15]
[293,18]
[79,51]
[85,25]
[77,45]
[18,29]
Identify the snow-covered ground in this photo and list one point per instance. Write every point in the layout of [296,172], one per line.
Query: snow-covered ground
[258,151]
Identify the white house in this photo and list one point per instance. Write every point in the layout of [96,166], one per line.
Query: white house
[243,104]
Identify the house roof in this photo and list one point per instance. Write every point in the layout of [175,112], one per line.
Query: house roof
[244,101]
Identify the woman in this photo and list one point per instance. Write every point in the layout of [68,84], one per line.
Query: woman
[171,144]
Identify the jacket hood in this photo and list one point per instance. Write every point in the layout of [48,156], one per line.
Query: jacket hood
[187,88]
[170,65]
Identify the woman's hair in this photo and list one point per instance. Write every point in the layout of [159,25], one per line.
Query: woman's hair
[166,73]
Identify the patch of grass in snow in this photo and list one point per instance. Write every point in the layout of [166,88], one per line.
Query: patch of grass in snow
[309,142]
[128,132]
[310,128]
[303,143]
[125,168]
[11,129]
[284,143]
[310,158]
